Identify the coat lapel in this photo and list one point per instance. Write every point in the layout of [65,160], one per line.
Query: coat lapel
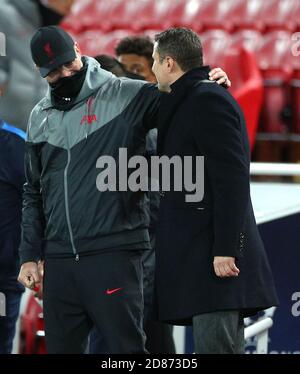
[169,105]
[170,102]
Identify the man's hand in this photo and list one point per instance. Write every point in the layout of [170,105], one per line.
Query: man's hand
[225,267]
[219,75]
[29,275]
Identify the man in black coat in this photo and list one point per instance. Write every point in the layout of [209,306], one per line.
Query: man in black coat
[211,266]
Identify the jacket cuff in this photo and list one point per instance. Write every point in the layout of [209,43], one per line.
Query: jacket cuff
[233,248]
[221,252]
[28,256]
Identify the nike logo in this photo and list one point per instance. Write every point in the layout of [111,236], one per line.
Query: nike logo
[109,292]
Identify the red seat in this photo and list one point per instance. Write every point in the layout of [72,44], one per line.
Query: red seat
[245,14]
[90,42]
[249,39]
[261,14]
[205,14]
[32,339]
[295,82]
[273,59]
[214,43]
[80,17]
[217,15]
[95,42]
[278,14]
[95,14]
[111,15]
[155,14]
[132,14]
[122,14]
[247,86]
[151,33]
[182,11]
[295,16]
[110,41]
[189,13]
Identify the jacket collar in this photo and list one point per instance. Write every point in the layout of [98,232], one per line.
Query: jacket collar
[190,77]
[170,102]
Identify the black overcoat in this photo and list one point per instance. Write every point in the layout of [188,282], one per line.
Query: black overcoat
[200,118]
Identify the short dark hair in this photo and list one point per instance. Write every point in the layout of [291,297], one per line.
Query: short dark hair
[183,45]
[138,45]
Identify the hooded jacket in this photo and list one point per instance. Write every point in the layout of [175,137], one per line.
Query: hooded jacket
[64,214]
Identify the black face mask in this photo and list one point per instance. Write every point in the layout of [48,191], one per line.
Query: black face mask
[65,90]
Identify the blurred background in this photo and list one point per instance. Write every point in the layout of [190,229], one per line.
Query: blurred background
[252,40]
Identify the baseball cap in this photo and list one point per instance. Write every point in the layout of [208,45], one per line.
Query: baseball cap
[51,47]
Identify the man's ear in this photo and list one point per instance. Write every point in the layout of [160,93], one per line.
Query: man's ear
[77,48]
[170,64]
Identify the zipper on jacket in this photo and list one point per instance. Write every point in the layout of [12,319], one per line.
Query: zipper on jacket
[67,206]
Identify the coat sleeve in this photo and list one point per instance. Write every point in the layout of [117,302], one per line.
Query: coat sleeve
[33,222]
[152,98]
[218,134]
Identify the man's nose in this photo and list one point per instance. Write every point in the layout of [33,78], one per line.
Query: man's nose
[65,73]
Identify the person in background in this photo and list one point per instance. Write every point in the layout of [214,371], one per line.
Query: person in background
[20,82]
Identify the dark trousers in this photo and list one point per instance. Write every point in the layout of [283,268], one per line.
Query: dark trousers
[159,339]
[8,322]
[219,333]
[159,335]
[104,290]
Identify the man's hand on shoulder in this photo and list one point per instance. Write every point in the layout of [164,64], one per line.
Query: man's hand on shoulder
[219,75]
